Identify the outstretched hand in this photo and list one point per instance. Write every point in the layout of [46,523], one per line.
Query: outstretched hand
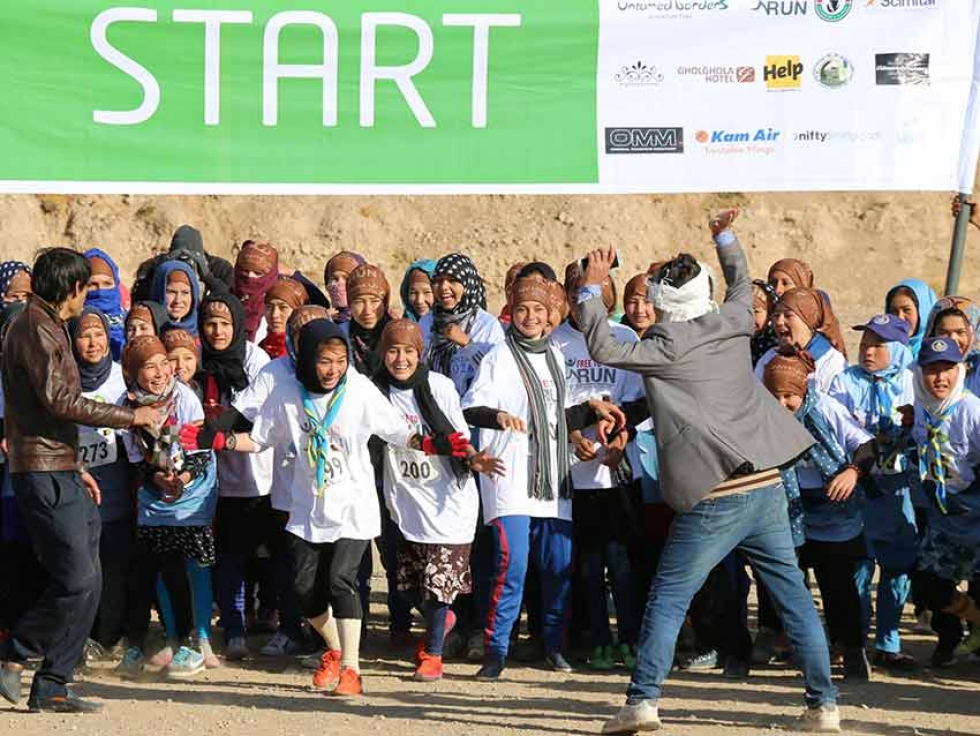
[974,212]
[722,221]
[599,266]
[484,463]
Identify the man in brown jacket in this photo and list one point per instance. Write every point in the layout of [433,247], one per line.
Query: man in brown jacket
[56,497]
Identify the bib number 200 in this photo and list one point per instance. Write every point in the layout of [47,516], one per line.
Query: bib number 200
[415,470]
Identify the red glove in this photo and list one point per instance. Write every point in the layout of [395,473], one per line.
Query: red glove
[451,445]
[194,438]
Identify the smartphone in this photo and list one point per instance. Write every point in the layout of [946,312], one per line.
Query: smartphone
[584,263]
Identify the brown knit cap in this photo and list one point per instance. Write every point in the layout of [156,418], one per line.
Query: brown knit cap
[418,276]
[141,313]
[178,275]
[304,314]
[574,278]
[89,320]
[512,275]
[370,280]
[176,338]
[216,309]
[537,289]
[402,332]
[288,290]
[797,270]
[100,267]
[788,372]
[636,286]
[344,261]
[259,257]
[138,351]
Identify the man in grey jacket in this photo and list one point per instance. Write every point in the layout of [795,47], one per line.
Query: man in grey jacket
[722,440]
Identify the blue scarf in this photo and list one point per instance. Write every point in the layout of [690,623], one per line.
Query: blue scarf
[925,299]
[426,265]
[318,449]
[159,293]
[109,302]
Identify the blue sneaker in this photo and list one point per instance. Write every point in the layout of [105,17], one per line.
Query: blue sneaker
[132,665]
[186,663]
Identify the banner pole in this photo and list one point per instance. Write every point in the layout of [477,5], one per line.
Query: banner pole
[959,245]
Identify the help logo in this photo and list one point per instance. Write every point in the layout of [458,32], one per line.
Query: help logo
[783,72]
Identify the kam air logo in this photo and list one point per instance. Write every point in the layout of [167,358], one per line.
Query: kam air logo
[725,142]
[832,11]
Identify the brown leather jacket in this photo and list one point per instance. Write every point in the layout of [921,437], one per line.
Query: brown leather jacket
[43,394]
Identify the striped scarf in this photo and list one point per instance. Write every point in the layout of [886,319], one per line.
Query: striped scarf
[318,449]
[542,484]
[160,445]
[934,461]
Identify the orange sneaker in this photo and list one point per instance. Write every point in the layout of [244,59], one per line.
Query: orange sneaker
[430,668]
[329,671]
[349,684]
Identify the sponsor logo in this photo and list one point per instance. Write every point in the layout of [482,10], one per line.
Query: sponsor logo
[631,139]
[671,8]
[781,7]
[901,68]
[832,11]
[783,72]
[638,75]
[830,137]
[833,71]
[901,4]
[719,74]
[758,141]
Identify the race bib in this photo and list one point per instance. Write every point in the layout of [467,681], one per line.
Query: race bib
[96,447]
[415,468]
[337,469]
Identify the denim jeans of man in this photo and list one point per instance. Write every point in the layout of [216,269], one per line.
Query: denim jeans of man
[896,560]
[757,524]
[64,525]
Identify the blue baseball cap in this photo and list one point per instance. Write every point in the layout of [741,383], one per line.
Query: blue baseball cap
[888,327]
[939,350]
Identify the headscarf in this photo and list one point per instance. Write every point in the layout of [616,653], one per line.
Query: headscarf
[109,301]
[156,312]
[423,265]
[160,444]
[226,367]
[311,337]
[683,303]
[261,258]
[797,270]
[460,268]
[300,317]
[159,293]
[762,341]
[292,293]
[509,280]
[814,309]
[924,298]
[9,269]
[364,342]
[876,390]
[92,375]
[935,450]
[345,261]
[970,311]
[407,332]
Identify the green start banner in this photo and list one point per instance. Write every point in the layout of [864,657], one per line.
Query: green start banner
[458,96]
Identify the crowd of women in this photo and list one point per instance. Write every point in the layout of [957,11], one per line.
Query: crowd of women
[494,463]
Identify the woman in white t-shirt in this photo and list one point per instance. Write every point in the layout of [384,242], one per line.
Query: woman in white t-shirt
[433,500]
[328,414]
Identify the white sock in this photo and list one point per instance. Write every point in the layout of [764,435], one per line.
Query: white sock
[326,626]
[350,642]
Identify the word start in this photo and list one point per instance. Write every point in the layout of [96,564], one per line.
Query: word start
[273,70]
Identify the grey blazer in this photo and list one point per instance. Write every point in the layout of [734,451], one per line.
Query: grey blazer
[710,414]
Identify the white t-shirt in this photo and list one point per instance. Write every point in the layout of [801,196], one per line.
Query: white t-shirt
[248,402]
[423,494]
[348,506]
[485,334]
[829,366]
[586,379]
[97,446]
[261,331]
[498,386]
[245,475]
[189,410]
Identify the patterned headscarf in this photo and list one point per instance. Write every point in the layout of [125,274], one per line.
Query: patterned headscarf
[9,269]
[459,268]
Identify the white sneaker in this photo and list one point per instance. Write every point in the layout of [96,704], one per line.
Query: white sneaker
[634,718]
[822,719]
[185,664]
[237,649]
[279,646]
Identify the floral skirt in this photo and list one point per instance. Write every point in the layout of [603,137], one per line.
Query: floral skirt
[441,571]
[942,556]
[193,542]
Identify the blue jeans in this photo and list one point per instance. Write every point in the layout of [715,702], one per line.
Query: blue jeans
[896,562]
[757,524]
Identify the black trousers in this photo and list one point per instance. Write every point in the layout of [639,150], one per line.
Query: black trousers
[937,594]
[326,575]
[147,565]
[833,565]
[115,554]
[65,527]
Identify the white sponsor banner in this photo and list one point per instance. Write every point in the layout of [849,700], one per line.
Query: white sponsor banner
[738,95]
